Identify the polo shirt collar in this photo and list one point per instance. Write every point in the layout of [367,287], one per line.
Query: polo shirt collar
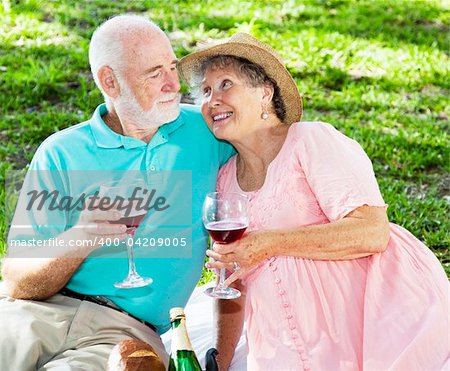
[106,138]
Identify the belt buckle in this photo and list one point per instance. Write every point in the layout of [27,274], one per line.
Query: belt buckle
[103,301]
[108,303]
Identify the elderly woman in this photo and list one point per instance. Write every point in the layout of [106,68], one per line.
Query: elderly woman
[329,283]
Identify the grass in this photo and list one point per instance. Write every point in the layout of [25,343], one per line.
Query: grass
[377,70]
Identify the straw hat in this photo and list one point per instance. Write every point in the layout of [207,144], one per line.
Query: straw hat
[246,46]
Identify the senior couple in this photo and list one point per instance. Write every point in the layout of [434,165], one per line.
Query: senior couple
[328,282]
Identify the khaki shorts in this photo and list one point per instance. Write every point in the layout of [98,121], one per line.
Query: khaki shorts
[63,333]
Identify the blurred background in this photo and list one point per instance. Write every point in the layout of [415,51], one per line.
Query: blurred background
[378,70]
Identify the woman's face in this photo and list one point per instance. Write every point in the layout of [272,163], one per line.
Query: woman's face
[231,108]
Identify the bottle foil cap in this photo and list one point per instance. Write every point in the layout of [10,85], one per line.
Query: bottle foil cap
[176,312]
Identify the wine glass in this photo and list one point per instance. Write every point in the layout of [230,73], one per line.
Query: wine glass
[225,218]
[125,195]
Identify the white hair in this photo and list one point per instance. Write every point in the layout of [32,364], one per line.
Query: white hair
[128,107]
[107,48]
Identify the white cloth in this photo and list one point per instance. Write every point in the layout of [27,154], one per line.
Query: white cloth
[199,323]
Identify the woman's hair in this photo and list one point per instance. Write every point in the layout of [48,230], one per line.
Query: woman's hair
[252,73]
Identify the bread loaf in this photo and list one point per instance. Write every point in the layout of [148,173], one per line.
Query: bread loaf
[134,355]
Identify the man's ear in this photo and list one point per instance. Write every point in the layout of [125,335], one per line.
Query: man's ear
[108,81]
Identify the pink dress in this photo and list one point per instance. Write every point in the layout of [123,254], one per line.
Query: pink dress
[389,311]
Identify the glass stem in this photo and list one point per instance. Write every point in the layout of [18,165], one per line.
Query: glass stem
[222,278]
[130,252]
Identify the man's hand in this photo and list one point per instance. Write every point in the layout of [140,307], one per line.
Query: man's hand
[97,225]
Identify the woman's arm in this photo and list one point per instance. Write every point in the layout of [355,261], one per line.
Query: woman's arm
[229,321]
[363,232]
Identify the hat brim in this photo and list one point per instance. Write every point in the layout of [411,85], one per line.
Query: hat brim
[292,99]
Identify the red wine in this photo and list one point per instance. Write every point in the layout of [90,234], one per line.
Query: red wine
[226,232]
[130,221]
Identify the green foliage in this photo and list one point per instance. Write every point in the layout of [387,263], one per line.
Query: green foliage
[376,69]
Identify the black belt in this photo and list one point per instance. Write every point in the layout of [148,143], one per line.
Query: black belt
[101,300]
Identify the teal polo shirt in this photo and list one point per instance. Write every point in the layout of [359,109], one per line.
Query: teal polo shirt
[184,144]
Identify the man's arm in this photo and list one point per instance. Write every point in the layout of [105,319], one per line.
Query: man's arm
[40,278]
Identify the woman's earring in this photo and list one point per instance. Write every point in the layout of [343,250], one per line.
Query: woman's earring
[265,114]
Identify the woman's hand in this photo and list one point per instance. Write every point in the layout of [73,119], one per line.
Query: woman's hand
[242,255]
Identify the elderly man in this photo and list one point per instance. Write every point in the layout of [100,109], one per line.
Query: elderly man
[63,312]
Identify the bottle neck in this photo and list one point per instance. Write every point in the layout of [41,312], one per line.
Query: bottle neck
[180,338]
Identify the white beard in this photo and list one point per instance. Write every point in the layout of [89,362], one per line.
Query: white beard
[129,110]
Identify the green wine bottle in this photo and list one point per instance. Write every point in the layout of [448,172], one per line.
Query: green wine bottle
[182,357]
